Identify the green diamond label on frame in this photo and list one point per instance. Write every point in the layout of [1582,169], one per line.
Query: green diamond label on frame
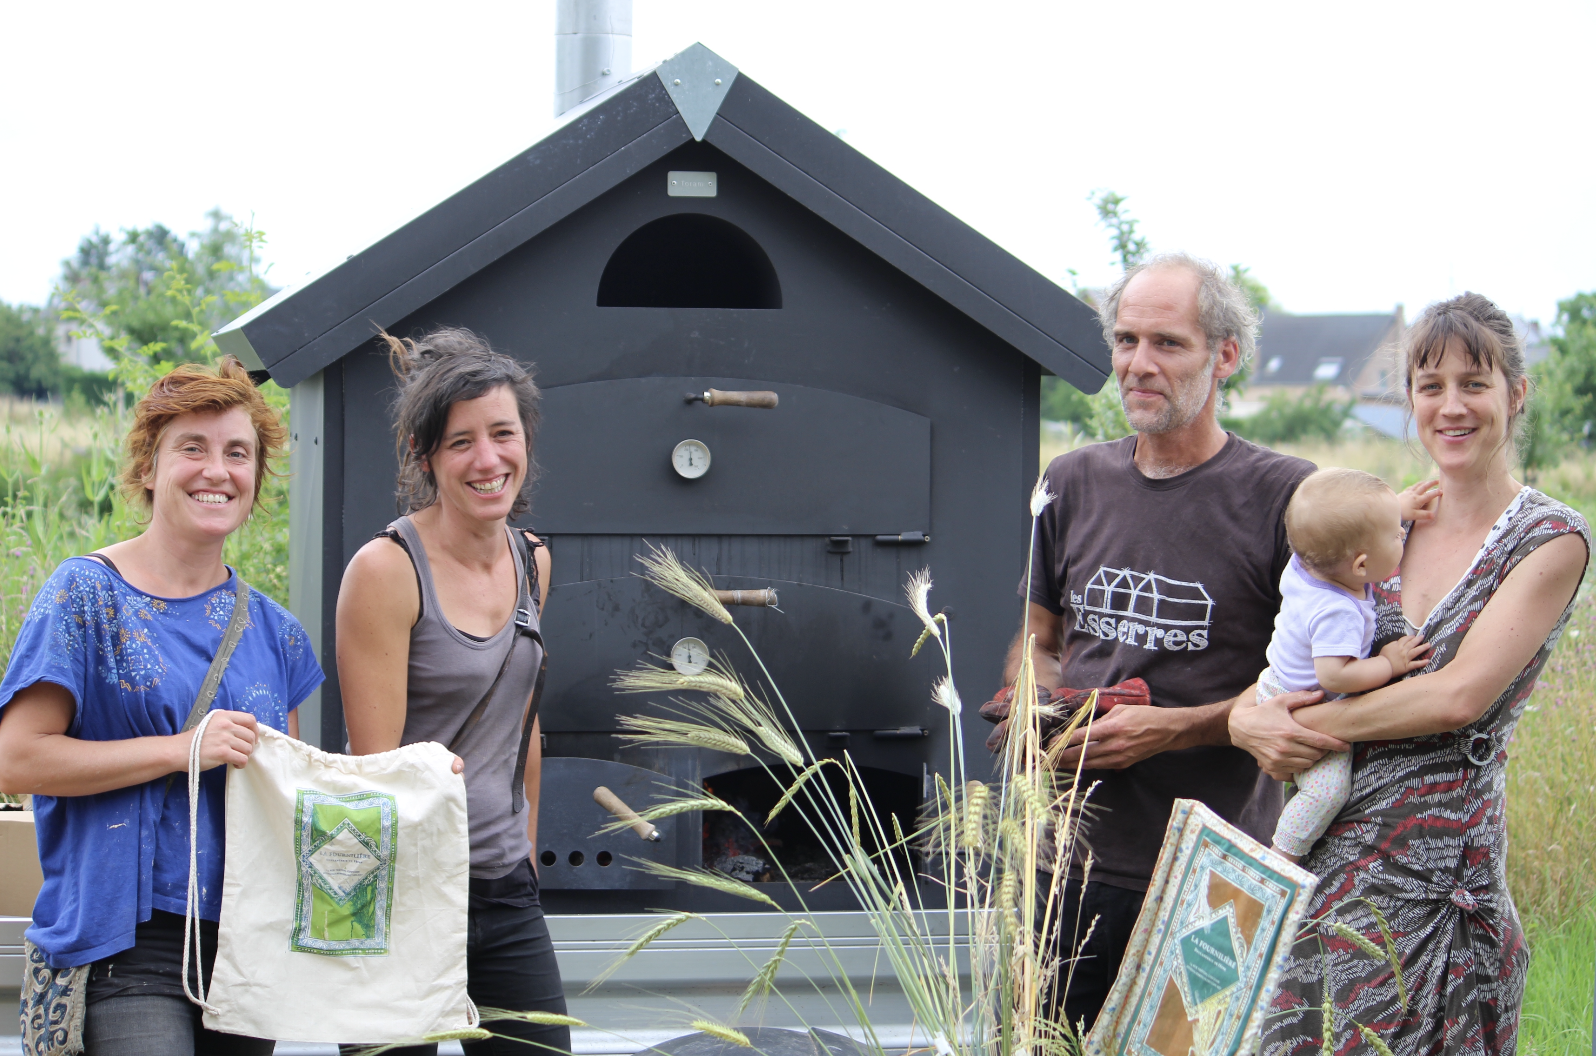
[1209,957]
[345,846]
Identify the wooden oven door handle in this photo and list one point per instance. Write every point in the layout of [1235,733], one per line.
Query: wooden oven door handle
[764,597]
[722,398]
[612,803]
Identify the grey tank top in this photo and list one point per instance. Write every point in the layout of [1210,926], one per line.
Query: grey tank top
[449,673]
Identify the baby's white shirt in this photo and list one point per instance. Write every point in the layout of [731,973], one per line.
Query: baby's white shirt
[1316,619]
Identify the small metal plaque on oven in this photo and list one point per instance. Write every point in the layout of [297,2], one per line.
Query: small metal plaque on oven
[690,184]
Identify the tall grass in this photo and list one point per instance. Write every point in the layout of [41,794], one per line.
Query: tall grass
[1551,852]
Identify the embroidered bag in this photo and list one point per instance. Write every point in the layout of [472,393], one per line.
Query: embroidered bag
[344,897]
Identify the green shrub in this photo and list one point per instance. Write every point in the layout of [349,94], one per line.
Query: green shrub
[1285,419]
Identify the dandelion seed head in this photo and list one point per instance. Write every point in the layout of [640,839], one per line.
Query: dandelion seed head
[1041,497]
[918,590]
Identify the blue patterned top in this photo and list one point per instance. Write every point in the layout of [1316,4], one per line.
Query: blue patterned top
[133,664]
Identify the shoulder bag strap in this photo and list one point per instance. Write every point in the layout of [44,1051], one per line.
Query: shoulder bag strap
[523,624]
[224,653]
[518,779]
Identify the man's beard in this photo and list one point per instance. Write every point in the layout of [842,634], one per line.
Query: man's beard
[1180,408]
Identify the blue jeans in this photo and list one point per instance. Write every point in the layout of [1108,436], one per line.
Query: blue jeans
[135,1004]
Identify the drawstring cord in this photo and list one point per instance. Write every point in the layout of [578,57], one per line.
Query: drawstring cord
[191,918]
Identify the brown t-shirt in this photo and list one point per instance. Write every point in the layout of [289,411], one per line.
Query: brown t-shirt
[1175,581]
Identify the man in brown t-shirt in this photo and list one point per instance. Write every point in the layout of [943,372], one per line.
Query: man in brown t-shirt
[1160,558]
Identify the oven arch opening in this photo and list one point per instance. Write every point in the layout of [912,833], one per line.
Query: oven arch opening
[689,260]
[731,847]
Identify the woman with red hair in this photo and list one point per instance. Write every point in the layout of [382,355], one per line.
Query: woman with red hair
[94,721]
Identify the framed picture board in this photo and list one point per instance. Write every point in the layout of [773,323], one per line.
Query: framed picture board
[1219,918]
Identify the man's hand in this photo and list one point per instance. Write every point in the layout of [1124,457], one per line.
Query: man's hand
[1282,746]
[1124,737]
[1057,708]
[1406,654]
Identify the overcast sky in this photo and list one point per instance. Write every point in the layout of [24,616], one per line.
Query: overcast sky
[1355,155]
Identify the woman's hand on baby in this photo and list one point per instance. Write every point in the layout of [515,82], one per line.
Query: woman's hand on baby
[1420,501]
[1407,653]
[229,738]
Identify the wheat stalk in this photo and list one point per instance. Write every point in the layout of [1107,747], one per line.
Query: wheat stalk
[647,678]
[651,729]
[765,978]
[724,1033]
[707,878]
[669,809]
[665,570]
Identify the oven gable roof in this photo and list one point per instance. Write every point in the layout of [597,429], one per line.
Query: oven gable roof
[694,95]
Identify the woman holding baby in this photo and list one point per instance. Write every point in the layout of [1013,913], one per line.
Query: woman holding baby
[1487,579]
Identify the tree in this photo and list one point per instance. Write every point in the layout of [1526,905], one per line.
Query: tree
[1130,246]
[1263,303]
[152,299]
[29,362]
[1567,377]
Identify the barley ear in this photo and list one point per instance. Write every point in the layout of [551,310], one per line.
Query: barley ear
[1327,1013]
[724,1033]
[1375,1041]
[665,570]
[1357,940]
[1391,955]
[545,1019]
[707,878]
[792,789]
[641,941]
[853,811]
[766,977]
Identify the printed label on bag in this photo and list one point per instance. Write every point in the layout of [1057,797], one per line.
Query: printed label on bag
[345,846]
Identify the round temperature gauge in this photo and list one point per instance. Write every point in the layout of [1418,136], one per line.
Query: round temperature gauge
[690,459]
[690,656]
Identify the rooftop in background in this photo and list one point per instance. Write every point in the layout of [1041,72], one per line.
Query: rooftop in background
[1341,351]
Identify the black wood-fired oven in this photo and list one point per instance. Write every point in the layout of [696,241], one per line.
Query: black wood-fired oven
[691,234]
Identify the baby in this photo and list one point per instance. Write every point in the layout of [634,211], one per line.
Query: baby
[1346,533]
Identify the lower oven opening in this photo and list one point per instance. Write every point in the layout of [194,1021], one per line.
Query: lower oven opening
[732,848]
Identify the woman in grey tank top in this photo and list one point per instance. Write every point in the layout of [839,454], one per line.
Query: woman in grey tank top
[439,640]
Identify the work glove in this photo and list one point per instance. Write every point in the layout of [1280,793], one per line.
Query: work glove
[1060,707]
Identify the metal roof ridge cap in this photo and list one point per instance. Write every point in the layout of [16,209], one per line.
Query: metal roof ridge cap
[697,81]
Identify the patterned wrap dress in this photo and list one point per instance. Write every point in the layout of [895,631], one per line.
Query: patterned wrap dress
[1424,837]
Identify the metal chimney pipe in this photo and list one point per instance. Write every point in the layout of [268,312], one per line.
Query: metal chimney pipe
[592,49]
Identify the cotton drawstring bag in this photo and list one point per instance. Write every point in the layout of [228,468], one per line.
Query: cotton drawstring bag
[344,896]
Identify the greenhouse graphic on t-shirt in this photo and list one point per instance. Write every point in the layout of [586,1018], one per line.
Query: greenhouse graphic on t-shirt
[1145,609]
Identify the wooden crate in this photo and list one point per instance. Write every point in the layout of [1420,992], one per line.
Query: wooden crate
[20,877]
